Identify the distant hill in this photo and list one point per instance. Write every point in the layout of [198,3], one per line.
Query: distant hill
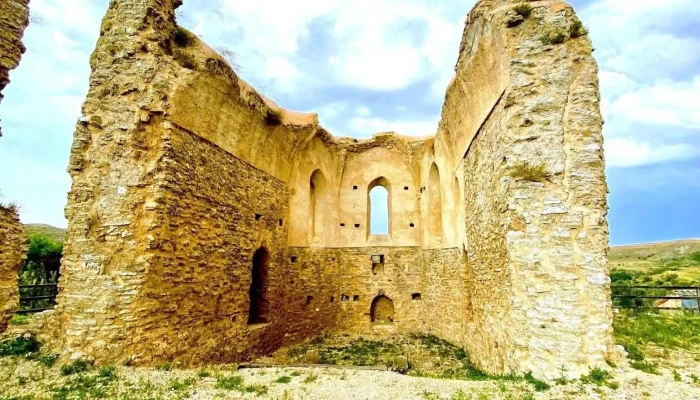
[673,262]
[54,233]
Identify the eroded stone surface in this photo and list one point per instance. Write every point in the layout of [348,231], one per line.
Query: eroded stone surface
[13,250]
[182,172]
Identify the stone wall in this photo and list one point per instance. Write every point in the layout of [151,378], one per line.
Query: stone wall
[538,244]
[13,250]
[14,18]
[171,206]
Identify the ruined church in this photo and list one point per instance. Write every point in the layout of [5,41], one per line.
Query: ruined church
[208,224]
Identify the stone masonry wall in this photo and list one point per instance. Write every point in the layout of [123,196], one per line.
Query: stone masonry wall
[13,250]
[14,18]
[538,245]
[181,171]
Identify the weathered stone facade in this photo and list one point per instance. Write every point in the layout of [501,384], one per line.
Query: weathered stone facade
[14,18]
[207,224]
[13,250]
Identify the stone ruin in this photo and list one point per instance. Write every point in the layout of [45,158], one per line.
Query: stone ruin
[14,18]
[207,224]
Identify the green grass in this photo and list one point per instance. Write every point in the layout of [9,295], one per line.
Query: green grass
[527,172]
[311,378]
[19,346]
[203,373]
[181,385]
[231,382]
[283,379]
[20,319]
[600,377]
[234,382]
[523,9]
[164,367]
[576,29]
[75,367]
[86,386]
[554,37]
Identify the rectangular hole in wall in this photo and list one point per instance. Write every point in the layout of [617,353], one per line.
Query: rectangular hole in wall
[405,188]
[411,225]
[357,225]
[344,297]
[258,216]
[332,299]
[356,297]
[377,264]
[342,224]
[415,296]
[281,222]
[354,187]
[309,299]
[293,259]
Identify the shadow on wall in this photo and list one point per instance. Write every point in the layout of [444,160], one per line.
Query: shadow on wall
[259,304]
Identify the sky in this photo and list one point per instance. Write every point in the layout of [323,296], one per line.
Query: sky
[367,66]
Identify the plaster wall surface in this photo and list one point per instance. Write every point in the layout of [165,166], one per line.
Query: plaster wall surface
[170,204]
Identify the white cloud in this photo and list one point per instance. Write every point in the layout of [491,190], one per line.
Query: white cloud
[366,127]
[675,104]
[627,152]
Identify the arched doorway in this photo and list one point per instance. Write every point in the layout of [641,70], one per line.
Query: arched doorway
[382,310]
[258,287]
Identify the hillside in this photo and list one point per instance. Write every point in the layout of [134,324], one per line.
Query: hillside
[660,261]
[58,234]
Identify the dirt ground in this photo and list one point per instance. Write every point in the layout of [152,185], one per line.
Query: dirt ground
[35,378]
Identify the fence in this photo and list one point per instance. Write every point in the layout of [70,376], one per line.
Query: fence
[662,298]
[35,298]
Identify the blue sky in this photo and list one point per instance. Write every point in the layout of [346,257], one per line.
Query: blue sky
[373,65]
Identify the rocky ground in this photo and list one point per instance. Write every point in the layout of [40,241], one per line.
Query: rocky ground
[29,374]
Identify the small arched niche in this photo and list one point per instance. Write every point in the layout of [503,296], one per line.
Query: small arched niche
[434,203]
[259,304]
[317,197]
[379,207]
[382,310]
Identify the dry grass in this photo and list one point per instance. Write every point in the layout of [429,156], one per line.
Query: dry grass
[529,172]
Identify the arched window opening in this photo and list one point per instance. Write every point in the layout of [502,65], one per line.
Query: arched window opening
[379,207]
[434,203]
[317,185]
[382,310]
[259,304]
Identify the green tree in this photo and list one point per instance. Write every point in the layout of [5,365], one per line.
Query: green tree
[43,261]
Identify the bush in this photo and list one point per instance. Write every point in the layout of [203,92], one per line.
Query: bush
[75,367]
[539,385]
[576,30]
[19,346]
[228,382]
[283,379]
[43,261]
[553,37]
[182,38]
[523,9]
[185,60]
[527,172]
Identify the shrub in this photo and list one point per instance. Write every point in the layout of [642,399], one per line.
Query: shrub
[19,346]
[283,379]
[179,385]
[539,385]
[182,38]
[203,373]
[75,367]
[553,37]
[108,372]
[164,367]
[273,117]
[20,319]
[597,377]
[185,60]
[228,382]
[527,172]
[523,9]
[311,378]
[576,30]
[645,366]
